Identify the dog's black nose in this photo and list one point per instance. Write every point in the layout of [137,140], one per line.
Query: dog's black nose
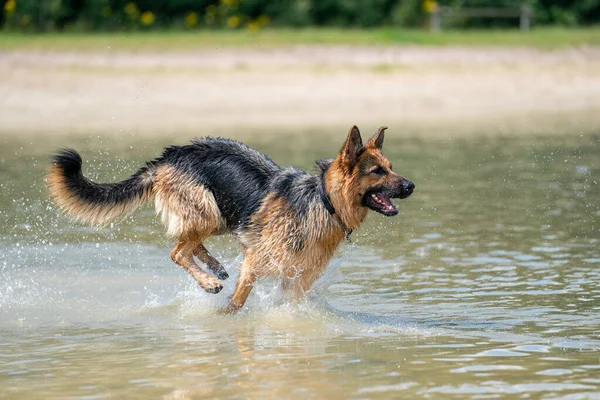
[408,187]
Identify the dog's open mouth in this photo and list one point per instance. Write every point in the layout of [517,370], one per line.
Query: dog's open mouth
[380,203]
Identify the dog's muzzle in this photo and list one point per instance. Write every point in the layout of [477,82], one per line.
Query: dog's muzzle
[406,189]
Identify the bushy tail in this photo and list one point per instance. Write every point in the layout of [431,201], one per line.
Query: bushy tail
[95,203]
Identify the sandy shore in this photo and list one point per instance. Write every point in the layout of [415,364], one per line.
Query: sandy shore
[434,90]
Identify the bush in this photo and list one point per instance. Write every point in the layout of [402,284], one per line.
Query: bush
[409,13]
[91,15]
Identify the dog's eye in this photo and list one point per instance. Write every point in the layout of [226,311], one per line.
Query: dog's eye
[379,171]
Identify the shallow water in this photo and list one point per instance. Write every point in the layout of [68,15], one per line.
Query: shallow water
[486,285]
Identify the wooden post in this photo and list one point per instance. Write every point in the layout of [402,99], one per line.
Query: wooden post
[525,19]
[435,19]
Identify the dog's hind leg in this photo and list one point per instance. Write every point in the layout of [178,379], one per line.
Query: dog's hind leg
[212,263]
[183,255]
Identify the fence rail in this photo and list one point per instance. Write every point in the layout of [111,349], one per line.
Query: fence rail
[438,13]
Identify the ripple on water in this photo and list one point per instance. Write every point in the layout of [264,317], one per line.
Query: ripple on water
[555,372]
[495,387]
[533,348]
[487,368]
[387,388]
[500,353]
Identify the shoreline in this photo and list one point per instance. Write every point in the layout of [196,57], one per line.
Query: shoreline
[423,90]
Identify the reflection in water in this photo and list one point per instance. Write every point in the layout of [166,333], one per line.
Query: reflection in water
[485,285]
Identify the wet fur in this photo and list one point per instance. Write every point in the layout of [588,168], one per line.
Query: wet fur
[216,185]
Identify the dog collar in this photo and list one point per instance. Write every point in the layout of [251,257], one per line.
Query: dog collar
[331,210]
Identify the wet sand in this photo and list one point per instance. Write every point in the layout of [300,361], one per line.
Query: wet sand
[441,91]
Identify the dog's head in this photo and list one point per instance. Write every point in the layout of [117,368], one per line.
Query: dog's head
[368,176]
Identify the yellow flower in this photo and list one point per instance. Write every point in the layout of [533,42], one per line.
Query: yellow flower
[106,11]
[10,6]
[253,26]
[191,19]
[233,21]
[263,20]
[147,18]
[131,9]
[429,6]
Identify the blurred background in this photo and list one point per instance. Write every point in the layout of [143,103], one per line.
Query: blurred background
[119,15]
[196,66]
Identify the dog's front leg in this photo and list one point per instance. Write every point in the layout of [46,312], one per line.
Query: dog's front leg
[298,288]
[244,285]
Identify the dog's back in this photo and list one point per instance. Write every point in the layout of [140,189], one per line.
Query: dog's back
[235,175]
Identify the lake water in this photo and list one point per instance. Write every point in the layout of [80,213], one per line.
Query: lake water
[486,285]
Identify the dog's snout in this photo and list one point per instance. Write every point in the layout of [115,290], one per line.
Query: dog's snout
[407,188]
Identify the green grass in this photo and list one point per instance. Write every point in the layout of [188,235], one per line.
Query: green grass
[544,38]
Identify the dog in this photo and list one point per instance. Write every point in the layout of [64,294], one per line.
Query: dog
[288,222]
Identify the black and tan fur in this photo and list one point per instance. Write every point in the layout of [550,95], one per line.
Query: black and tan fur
[288,221]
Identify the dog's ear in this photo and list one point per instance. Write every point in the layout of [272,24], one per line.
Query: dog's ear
[377,140]
[352,147]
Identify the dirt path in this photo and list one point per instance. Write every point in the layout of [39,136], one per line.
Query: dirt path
[434,90]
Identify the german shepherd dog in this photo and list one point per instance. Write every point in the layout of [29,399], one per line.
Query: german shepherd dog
[288,221]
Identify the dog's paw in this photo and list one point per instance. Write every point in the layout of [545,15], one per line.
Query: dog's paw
[212,286]
[225,311]
[222,274]
[214,290]
[230,309]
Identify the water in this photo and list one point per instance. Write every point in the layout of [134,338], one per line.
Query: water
[486,285]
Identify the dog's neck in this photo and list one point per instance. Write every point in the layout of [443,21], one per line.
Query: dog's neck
[331,209]
[337,187]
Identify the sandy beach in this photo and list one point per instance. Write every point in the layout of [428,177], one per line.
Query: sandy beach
[425,90]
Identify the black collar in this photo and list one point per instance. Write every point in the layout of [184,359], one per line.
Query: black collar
[331,210]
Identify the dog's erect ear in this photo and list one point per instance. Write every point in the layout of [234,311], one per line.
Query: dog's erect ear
[352,147]
[377,140]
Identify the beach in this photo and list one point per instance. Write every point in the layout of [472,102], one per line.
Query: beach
[449,90]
